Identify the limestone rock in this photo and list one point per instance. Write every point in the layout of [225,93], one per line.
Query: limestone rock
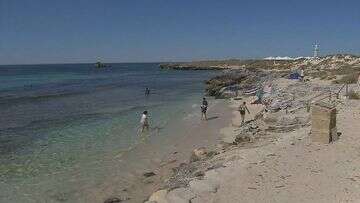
[180,195]
[116,199]
[203,186]
[241,138]
[204,199]
[159,196]
[149,174]
[198,154]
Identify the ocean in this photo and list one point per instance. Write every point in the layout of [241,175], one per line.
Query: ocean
[62,126]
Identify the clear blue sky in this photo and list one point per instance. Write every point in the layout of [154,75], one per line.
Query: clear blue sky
[56,31]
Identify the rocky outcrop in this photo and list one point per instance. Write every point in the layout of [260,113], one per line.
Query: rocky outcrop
[189,66]
[234,83]
[241,75]
[325,62]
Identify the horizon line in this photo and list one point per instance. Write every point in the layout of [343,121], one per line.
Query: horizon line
[179,61]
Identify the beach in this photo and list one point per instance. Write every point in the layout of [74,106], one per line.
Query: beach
[191,133]
[269,158]
[179,101]
[272,158]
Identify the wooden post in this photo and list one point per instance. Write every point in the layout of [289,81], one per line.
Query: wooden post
[323,123]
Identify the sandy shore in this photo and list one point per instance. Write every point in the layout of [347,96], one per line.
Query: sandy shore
[281,165]
[151,157]
[294,169]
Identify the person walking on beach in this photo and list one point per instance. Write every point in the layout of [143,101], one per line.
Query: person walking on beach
[144,122]
[242,109]
[204,107]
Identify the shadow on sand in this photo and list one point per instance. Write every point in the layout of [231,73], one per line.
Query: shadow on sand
[213,118]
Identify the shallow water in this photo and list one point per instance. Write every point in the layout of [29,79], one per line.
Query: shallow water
[62,125]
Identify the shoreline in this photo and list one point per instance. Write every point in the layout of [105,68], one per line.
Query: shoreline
[159,161]
[262,161]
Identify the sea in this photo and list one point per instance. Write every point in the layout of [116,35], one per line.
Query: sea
[63,125]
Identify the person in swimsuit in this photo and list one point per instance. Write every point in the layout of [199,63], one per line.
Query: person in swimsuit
[204,107]
[242,109]
[144,122]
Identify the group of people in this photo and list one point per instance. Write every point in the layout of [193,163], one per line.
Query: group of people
[144,120]
[242,109]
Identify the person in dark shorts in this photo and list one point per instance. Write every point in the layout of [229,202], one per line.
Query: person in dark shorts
[204,107]
[147,91]
[242,109]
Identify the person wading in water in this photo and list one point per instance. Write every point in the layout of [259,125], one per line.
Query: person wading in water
[144,122]
[242,109]
[147,91]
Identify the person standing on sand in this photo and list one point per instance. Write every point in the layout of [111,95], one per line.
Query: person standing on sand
[302,74]
[204,107]
[242,109]
[144,122]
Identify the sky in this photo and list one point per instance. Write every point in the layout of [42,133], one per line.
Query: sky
[81,31]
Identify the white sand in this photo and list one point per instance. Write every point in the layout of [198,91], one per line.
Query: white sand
[290,168]
[293,169]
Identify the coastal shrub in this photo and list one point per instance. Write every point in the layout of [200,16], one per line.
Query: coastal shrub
[353,95]
[348,79]
[317,74]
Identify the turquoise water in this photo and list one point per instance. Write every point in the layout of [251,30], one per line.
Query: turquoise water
[62,125]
